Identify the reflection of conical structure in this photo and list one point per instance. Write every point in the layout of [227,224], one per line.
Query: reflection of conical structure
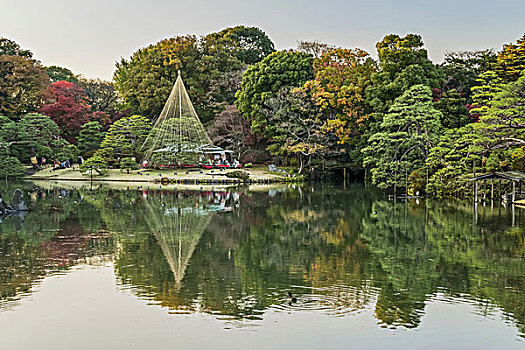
[178,134]
[178,225]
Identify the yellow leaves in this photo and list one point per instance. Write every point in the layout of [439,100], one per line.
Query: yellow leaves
[303,216]
[339,128]
[518,153]
[303,147]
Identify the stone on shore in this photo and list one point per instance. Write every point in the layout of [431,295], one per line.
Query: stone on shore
[18,201]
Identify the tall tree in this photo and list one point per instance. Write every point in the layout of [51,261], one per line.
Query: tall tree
[102,96]
[488,84]
[68,108]
[406,134]
[22,83]
[57,73]
[462,68]
[504,121]
[314,48]
[40,133]
[341,77]
[495,142]
[403,63]
[145,80]
[454,97]
[298,126]
[453,105]
[264,79]
[248,44]
[511,61]
[90,137]
[231,131]
[12,48]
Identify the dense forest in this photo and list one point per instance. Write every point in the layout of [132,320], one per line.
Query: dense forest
[407,120]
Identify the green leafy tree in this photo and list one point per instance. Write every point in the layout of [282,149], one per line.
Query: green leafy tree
[145,80]
[126,136]
[461,73]
[64,150]
[453,106]
[90,137]
[403,63]
[9,166]
[494,143]
[11,145]
[451,161]
[462,68]
[11,48]
[128,164]
[57,73]
[39,134]
[488,84]
[504,121]
[248,44]
[34,135]
[404,138]
[22,84]
[96,165]
[211,67]
[263,80]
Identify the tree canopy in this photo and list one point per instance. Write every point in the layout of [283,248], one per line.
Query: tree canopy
[144,81]
[404,138]
[341,77]
[22,85]
[263,80]
[125,137]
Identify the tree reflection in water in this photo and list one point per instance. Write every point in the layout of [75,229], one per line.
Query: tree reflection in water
[238,253]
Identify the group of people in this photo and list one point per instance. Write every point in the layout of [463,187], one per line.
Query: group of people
[68,163]
[223,162]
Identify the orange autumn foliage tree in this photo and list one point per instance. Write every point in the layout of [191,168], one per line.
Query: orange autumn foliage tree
[341,76]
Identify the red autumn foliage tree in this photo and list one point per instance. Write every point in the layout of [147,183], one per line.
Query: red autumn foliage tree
[68,106]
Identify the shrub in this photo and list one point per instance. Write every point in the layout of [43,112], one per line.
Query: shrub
[94,164]
[239,174]
[128,164]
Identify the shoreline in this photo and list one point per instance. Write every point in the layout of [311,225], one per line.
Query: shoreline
[257,175]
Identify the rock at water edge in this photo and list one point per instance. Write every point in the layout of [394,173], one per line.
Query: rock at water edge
[18,201]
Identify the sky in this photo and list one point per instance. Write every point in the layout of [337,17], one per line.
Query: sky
[89,36]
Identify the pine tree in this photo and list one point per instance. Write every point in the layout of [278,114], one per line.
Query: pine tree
[404,138]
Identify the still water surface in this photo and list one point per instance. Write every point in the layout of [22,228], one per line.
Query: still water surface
[165,269]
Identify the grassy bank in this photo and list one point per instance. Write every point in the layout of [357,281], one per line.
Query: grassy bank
[181,176]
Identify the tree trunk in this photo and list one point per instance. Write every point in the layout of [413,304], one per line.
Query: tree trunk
[301,164]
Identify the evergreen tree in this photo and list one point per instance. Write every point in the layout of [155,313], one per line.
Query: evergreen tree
[403,62]
[404,138]
[90,137]
[95,165]
[488,84]
[126,136]
[128,164]
[453,106]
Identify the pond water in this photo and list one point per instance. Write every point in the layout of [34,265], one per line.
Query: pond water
[320,266]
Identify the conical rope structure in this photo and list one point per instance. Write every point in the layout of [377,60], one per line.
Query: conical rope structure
[178,225]
[178,136]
